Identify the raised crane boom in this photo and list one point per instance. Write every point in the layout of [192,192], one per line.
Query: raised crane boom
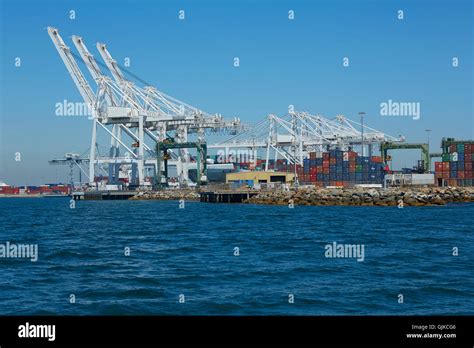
[93,67]
[87,57]
[65,52]
[110,62]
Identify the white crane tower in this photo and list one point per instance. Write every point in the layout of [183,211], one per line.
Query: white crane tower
[120,107]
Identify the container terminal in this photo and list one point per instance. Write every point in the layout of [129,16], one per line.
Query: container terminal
[157,142]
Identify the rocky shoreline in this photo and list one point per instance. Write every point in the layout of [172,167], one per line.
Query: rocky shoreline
[367,197]
[187,195]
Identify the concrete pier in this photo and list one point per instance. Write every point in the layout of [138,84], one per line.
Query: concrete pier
[226,197]
[103,195]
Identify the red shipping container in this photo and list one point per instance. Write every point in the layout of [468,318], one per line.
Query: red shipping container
[438,166]
[325,156]
[312,170]
[467,157]
[445,166]
[352,154]
[467,147]
[467,165]
[319,169]
[452,148]
[313,177]
[312,155]
[461,174]
[325,164]
[352,167]
[339,183]
[325,170]
[8,190]
[469,174]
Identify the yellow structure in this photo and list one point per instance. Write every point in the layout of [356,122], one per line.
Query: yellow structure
[260,177]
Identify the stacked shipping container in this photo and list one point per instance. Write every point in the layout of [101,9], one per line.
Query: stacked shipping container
[334,168]
[341,168]
[456,168]
[32,190]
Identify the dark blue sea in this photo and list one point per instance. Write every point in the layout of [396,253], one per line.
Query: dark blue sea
[191,252]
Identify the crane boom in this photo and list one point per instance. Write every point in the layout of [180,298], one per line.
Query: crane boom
[93,67]
[111,63]
[87,57]
[174,106]
[65,52]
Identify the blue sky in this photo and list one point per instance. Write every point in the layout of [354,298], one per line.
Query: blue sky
[282,61]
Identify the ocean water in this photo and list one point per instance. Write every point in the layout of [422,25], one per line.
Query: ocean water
[191,251]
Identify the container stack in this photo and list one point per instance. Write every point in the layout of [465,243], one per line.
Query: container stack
[456,168]
[341,168]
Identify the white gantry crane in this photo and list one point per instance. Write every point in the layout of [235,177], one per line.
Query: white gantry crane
[120,107]
[297,133]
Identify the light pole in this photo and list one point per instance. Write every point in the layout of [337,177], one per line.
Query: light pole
[429,158]
[361,114]
[428,132]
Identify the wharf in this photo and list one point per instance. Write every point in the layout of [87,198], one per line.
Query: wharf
[103,195]
[226,197]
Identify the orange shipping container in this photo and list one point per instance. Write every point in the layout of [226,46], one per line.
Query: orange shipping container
[376,159]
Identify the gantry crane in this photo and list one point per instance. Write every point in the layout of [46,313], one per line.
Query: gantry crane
[425,152]
[297,133]
[135,111]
